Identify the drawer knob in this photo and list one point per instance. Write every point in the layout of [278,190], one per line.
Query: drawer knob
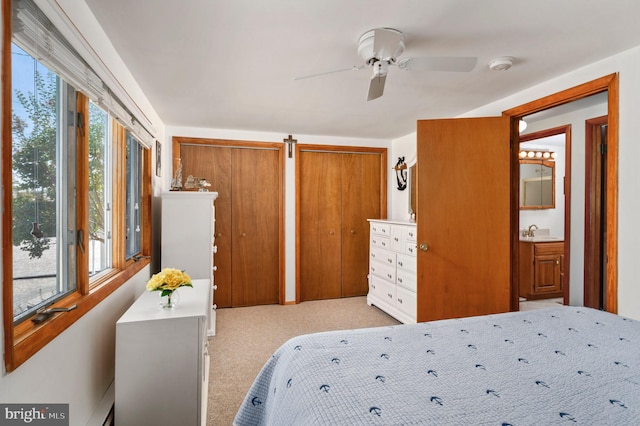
[399,300]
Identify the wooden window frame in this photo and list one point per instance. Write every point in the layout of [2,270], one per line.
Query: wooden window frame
[25,339]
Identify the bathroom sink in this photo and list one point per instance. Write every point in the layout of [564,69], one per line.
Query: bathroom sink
[541,238]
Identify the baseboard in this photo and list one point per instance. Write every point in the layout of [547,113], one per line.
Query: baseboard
[103,414]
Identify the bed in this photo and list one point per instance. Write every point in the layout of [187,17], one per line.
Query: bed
[565,365]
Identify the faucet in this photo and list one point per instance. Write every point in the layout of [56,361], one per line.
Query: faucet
[529,231]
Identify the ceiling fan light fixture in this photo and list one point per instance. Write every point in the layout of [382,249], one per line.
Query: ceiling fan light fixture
[502,63]
[380,68]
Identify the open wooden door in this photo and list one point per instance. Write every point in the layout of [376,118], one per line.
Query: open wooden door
[464,217]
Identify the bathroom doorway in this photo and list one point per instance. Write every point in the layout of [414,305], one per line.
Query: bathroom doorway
[545,165]
[607,87]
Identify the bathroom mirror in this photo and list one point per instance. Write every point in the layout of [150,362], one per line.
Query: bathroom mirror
[537,184]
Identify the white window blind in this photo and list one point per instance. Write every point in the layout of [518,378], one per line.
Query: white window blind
[36,35]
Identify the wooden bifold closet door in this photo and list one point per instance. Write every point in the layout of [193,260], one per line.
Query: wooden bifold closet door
[337,193]
[249,186]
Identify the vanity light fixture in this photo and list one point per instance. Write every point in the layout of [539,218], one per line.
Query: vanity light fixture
[522,126]
[541,155]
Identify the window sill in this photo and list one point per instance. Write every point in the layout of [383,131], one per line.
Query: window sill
[29,338]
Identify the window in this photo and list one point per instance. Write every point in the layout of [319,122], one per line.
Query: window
[77,222]
[43,202]
[134,196]
[100,180]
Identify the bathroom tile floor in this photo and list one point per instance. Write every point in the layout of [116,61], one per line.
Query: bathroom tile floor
[529,305]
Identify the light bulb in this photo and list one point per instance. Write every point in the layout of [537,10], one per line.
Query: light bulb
[522,125]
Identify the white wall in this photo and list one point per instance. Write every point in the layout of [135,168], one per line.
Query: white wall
[627,64]
[289,178]
[399,200]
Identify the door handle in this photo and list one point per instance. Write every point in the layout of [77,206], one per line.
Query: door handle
[424,247]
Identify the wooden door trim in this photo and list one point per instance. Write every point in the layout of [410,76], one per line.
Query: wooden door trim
[566,130]
[610,84]
[177,141]
[592,238]
[336,149]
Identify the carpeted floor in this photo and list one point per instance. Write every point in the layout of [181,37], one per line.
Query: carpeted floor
[246,337]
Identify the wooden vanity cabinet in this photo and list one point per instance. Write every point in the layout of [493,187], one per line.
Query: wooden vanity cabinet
[541,269]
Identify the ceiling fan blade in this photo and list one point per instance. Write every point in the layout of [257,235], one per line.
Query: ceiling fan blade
[376,87]
[387,43]
[439,63]
[353,68]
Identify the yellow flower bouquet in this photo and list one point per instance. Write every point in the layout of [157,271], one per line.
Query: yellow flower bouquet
[167,281]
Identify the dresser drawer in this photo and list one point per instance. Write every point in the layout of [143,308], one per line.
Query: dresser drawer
[396,238]
[406,263]
[411,248]
[406,279]
[380,228]
[383,256]
[382,242]
[406,301]
[383,271]
[382,289]
[410,233]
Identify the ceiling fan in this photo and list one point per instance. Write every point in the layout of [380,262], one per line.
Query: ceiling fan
[380,49]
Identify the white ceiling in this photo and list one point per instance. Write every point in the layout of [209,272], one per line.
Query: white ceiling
[229,64]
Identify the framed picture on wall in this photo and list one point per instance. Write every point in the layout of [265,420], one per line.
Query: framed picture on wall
[158,159]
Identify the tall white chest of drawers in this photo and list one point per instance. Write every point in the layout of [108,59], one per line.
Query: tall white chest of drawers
[392,268]
[188,243]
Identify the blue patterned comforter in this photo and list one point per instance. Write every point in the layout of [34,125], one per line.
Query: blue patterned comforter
[558,366]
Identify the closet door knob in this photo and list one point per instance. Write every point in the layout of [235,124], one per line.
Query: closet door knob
[424,247]
[331,232]
[353,232]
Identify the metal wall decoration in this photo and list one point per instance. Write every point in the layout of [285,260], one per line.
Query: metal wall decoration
[401,173]
[290,141]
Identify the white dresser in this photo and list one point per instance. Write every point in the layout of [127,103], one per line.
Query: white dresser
[162,364]
[392,268]
[188,226]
